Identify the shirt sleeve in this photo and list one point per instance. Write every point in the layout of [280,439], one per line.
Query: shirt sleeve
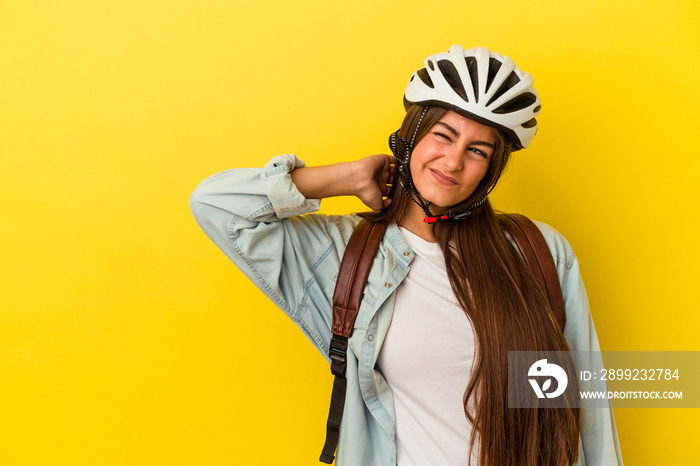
[264,225]
[598,432]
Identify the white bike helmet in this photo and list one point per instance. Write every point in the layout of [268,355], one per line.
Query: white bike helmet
[482,86]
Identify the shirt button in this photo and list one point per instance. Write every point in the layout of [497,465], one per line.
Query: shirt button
[406,253]
[370,337]
[387,285]
[370,389]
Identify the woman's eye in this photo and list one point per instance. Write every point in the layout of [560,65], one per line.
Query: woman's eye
[443,136]
[479,152]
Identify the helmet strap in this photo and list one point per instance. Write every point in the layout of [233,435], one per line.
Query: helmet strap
[405,177]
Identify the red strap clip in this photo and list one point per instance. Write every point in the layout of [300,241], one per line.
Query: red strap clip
[434,219]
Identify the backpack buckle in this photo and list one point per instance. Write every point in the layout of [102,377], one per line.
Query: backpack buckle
[338,354]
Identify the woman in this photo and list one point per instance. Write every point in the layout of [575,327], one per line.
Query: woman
[448,295]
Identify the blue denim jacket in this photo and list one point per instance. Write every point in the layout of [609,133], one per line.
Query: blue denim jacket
[258,218]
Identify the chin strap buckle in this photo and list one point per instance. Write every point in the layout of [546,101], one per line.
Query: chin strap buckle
[435,219]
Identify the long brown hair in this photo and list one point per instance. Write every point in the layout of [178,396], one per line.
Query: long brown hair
[508,312]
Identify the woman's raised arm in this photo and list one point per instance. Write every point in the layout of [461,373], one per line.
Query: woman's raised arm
[255,216]
[368,178]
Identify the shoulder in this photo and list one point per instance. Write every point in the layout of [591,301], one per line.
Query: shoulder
[317,227]
[392,244]
[562,252]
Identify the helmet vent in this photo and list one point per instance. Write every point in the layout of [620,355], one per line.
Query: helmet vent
[449,72]
[520,102]
[473,74]
[494,66]
[431,65]
[529,123]
[512,80]
[423,75]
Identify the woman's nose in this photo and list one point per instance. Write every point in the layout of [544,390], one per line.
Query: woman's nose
[453,159]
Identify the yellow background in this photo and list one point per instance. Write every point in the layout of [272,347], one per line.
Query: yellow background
[126,337]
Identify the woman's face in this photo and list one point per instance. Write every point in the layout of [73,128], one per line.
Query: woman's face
[450,161]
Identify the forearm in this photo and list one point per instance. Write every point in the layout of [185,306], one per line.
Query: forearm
[338,179]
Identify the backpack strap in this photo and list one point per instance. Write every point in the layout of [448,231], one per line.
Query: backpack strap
[538,259]
[349,289]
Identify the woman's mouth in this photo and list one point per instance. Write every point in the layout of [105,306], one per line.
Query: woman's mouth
[443,179]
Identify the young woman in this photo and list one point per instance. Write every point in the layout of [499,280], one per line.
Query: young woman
[448,294]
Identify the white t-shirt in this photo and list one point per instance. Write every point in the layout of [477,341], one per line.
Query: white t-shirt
[427,359]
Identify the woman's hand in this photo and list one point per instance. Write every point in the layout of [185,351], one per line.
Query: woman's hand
[374,176]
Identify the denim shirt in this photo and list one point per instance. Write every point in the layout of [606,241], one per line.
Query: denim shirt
[258,218]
